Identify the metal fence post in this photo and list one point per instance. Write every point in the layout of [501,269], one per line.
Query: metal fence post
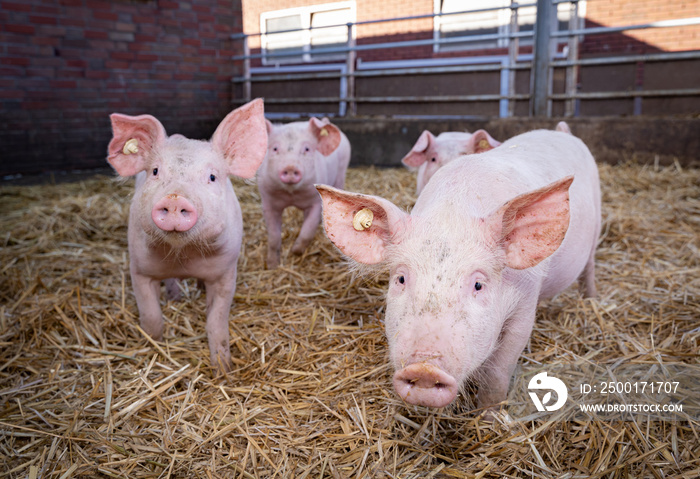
[572,71]
[540,68]
[247,86]
[350,70]
[513,50]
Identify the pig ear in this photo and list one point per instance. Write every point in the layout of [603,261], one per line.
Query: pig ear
[133,139]
[531,226]
[361,226]
[268,126]
[563,127]
[481,141]
[417,155]
[242,139]
[327,134]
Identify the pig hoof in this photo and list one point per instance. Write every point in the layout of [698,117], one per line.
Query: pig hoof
[155,332]
[221,364]
[272,261]
[299,246]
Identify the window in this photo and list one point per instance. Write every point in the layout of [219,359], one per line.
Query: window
[471,24]
[312,28]
[491,22]
[287,41]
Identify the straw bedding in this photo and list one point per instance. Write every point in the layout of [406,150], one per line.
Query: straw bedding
[84,393]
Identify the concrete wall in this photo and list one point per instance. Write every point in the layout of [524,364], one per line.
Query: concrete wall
[383,142]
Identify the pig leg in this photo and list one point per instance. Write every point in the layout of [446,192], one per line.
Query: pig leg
[340,179]
[147,292]
[219,298]
[587,279]
[273,222]
[312,218]
[495,374]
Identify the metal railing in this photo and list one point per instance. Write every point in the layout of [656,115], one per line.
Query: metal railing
[542,63]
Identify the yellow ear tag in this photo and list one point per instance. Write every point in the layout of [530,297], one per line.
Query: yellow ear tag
[324,132]
[363,219]
[484,144]
[131,146]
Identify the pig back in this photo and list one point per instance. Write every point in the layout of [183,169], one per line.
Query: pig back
[477,185]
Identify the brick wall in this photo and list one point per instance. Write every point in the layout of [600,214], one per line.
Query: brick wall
[615,13]
[65,65]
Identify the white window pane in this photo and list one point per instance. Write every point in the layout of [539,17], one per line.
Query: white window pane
[563,15]
[469,21]
[526,18]
[325,37]
[287,40]
[473,24]
[330,17]
[278,24]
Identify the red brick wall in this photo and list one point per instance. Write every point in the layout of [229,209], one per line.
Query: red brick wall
[406,30]
[65,65]
[615,13]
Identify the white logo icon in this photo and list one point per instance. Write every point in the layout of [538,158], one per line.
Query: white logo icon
[542,381]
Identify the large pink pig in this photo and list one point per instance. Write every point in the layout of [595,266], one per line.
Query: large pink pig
[299,155]
[185,220]
[489,236]
[430,153]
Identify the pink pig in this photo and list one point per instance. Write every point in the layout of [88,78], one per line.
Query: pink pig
[430,153]
[299,155]
[185,220]
[489,236]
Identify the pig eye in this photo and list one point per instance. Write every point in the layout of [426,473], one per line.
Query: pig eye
[400,280]
[155,171]
[433,160]
[275,149]
[212,177]
[478,286]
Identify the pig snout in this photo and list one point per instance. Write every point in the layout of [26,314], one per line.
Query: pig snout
[290,175]
[424,384]
[174,213]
